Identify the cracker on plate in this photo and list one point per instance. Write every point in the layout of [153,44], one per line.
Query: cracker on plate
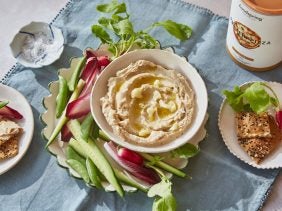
[8,130]
[259,148]
[252,125]
[10,148]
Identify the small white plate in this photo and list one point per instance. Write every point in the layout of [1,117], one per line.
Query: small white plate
[18,102]
[227,126]
[166,59]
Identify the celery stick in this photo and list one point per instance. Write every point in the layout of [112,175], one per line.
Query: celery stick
[63,118]
[164,165]
[92,151]
[121,176]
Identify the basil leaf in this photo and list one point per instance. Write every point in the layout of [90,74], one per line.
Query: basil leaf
[167,203]
[3,103]
[180,31]
[99,32]
[186,151]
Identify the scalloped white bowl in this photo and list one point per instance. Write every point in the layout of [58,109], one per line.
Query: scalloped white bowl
[168,60]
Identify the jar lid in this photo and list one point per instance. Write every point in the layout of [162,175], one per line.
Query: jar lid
[269,7]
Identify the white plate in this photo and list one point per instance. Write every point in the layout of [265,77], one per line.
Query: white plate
[17,101]
[227,126]
[166,59]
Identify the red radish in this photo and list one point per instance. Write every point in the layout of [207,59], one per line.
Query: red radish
[130,156]
[90,53]
[279,118]
[90,67]
[10,113]
[103,61]
[65,133]
[148,175]
[78,107]
[89,83]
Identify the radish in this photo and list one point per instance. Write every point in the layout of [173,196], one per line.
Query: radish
[279,118]
[65,134]
[10,113]
[148,175]
[90,67]
[79,107]
[103,61]
[131,156]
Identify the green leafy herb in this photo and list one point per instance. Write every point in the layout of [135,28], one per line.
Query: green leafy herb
[118,32]
[254,98]
[164,200]
[3,103]
[186,151]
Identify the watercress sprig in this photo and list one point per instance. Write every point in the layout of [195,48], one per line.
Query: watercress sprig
[118,32]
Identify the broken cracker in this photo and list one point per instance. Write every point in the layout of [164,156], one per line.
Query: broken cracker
[259,148]
[252,125]
[10,148]
[8,130]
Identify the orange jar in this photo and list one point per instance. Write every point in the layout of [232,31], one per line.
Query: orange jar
[254,37]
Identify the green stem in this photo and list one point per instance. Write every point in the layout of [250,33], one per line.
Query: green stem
[164,165]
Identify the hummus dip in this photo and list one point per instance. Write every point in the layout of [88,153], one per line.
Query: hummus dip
[148,105]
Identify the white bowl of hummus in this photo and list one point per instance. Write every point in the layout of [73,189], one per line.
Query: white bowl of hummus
[150,101]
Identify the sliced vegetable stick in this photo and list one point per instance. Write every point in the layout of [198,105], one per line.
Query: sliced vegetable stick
[121,176]
[75,75]
[93,152]
[62,97]
[63,118]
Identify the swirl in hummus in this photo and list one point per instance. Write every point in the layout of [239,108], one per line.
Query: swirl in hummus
[148,105]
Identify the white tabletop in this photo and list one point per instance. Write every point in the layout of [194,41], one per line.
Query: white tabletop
[18,13]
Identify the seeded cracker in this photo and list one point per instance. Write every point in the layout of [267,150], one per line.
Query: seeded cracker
[259,148]
[251,125]
[9,148]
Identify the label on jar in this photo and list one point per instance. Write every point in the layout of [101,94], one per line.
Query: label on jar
[254,39]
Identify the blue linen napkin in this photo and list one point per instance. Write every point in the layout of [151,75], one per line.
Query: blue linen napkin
[220,180]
